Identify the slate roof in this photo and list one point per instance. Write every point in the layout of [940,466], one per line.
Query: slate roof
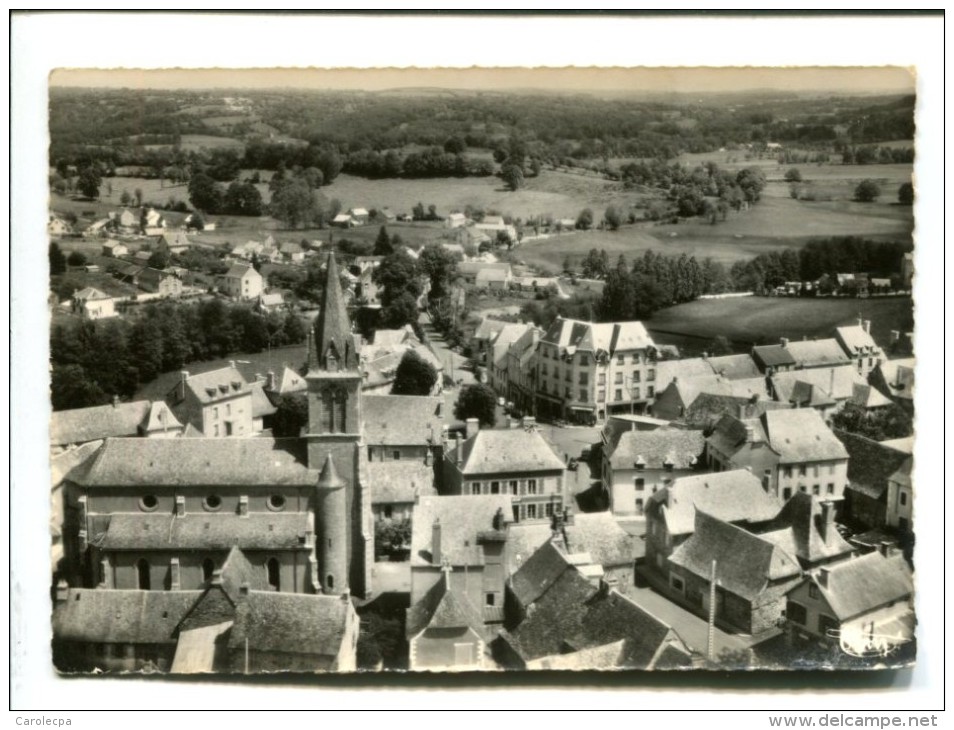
[389,338]
[174,239]
[684,369]
[237,570]
[708,408]
[507,336]
[898,376]
[744,562]
[473,268]
[461,518]
[79,425]
[856,340]
[798,531]
[730,435]
[608,337]
[866,396]
[596,533]
[290,623]
[488,328]
[491,451]
[379,364]
[261,405]
[490,275]
[538,572]
[214,385]
[856,587]
[399,482]
[870,464]
[654,449]
[62,465]
[837,382]
[121,616]
[290,381]
[734,367]
[238,271]
[443,608]
[256,531]
[733,496]
[199,461]
[773,355]
[815,353]
[90,294]
[903,475]
[402,420]
[800,434]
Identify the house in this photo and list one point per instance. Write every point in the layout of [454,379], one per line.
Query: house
[498,279]
[91,303]
[470,271]
[343,220]
[149,514]
[863,606]
[403,427]
[860,346]
[516,462]
[142,257]
[498,360]
[217,403]
[900,498]
[730,367]
[271,302]
[790,450]
[517,375]
[173,243]
[569,620]
[263,409]
[396,487]
[456,220]
[126,220]
[587,371]
[483,337]
[752,575]
[97,228]
[827,390]
[494,225]
[247,250]
[380,360]
[242,281]
[127,272]
[675,402]
[367,289]
[292,252]
[806,530]
[643,462]
[798,354]
[290,381]
[895,379]
[732,496]
[468,534]
[58,227]
[870,467]
[360,216]
[138,418]
[445,631]
[164,283]
[115,249]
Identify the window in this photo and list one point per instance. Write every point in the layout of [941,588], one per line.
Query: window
[142,574]
[495,487]
[787,472]
[584,378]
[675,582]
[215,412]
[212,503]
[903,498]
[831,487]
[635,393]
[216,432]
[584,361]
[827,626]
[548,509]
[618,378]
[568,376]
[601,379]
[475,488]
[208,568]
[639,505]
[639,484]
[637,358]
[228,428]
[650,391]
[531,486]
[531,511]
[802,470]
[802,488]
[543,369]
[787,493]
[396,455]
[149,503]
[490,599]
[276,503]
[621,359]
[816,489]
[796,612]
[870,362]
[619,394]
[330,582]
[388,511]
[516,513]
[650,374]
[601,395]
[815,471]
[513,486]
[831,468]
[228,409]
[812,590]
[635,376]
[584,397]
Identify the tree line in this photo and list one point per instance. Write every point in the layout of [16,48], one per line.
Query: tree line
[96,360]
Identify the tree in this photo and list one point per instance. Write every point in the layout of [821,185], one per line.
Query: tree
[455,145]
[867,191]
[397,275]
[613,218]
[196,222]
[415,375]
[382,244]
[418,212]
[125,198]
[584,220]
[400,311]
[512,176]
[57,260]
[243,199]
[906,194]
[793,175]
[138,193]
[392,537]
[477,401]
[205,194]
[891,422]
[291,416]
[89,182]
[71,387]
[440,265]
[159,260]
[294,203]
[76,258]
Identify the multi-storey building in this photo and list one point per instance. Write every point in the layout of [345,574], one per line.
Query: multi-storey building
[216,403]
[588,370]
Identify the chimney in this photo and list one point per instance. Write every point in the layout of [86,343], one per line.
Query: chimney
[749,433]
[861,323]
[458,449]
[270,382]
[705,355]
[243,506]
[175,575]
[436,542]
[180,506]
[216,579]
[183,378]
[232,364]
[867,326]
[62,591]
[783,341]
[827,527]
[115,401]
[884,547]
[473,426]
[529,422]
[822,577]
[742,411]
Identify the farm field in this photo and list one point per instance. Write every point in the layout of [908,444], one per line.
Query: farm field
[760,320]
[247,364]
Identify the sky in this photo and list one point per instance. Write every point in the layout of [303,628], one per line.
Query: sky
[819,79]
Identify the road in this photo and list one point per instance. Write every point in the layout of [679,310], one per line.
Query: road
[454,363]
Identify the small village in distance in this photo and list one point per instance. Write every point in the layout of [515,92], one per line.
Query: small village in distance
[378,439]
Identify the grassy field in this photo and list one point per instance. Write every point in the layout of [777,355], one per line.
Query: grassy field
[208,141]
[759,320]
[248,365]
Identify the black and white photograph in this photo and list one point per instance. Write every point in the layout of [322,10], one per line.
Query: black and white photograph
[489,370]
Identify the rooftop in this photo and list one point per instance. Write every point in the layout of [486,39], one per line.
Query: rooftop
[864,584]
[79,425]
[870,463]
[400,482]
[443,608]
[608,337]
[495,451]
[461,518]
[402,420]
[800,434]
[679,448]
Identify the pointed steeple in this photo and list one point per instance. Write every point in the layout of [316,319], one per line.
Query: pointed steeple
[333,342]
[329,479]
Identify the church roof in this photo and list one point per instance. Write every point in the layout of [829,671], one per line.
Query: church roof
[333,329]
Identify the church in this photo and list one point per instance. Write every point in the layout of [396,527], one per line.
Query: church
[164,514]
